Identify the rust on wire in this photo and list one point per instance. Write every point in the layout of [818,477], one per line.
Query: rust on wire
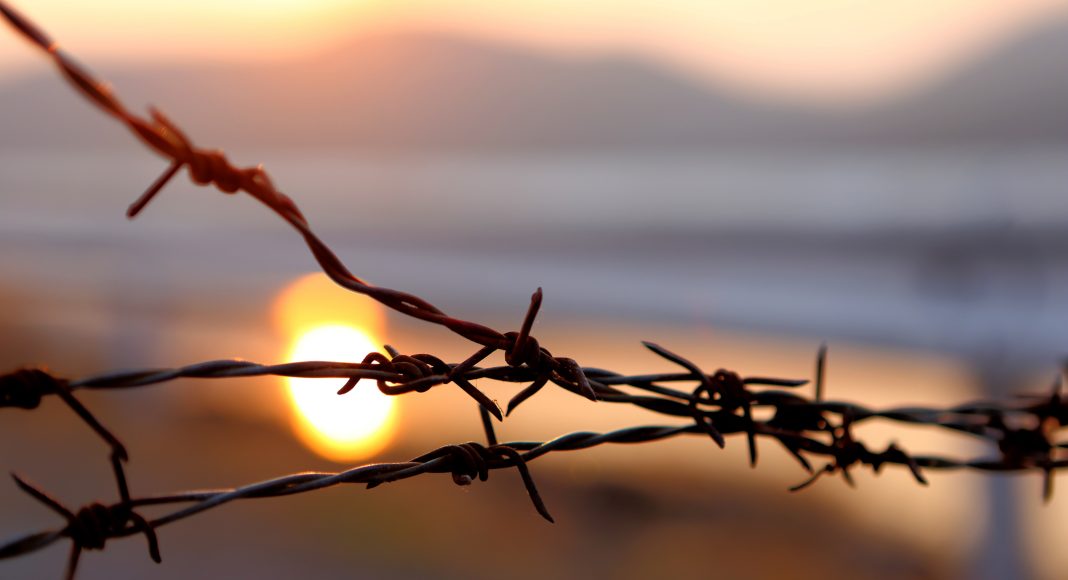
[798,423]
[802,424]
[91,527]
[1021,433]
[211,167]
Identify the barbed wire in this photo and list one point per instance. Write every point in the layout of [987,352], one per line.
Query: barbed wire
[721,404]
[801,425]
[1020,428]
[211,167]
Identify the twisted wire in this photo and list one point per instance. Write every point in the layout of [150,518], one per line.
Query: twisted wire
[721,404]
[464,462]
[800,425]
[209,167]
[1024,429]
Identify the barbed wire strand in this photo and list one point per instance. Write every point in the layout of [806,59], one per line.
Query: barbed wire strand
[713,406]
[721,404]
[1026,445]
[211,167]
[465,463]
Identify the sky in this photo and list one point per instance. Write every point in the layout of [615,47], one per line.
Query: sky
[814,50]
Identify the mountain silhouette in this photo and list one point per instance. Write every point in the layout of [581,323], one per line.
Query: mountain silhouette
[418,91]
[1017,92]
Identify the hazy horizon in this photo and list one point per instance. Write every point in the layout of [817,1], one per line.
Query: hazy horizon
[902,199]
[383,92]
[828,53]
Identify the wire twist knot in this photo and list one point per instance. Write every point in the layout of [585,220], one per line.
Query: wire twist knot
[468,461]
[25,388]
[93,525]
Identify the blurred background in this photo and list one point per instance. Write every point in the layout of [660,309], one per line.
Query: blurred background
[735,180]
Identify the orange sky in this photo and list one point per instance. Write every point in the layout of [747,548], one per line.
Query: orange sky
[816,49]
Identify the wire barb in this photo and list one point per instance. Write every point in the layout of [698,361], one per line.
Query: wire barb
[1023,433]
[93,525]
[797,423]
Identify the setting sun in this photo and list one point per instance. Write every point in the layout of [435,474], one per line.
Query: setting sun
[338,427]
[325,322]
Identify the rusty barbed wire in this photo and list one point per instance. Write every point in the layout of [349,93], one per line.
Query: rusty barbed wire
[93,525]
[721,404]
[803,426]
[211,167]
[25,388]
[1022,429]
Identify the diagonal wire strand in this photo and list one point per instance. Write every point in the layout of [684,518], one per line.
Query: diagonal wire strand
[1022,433]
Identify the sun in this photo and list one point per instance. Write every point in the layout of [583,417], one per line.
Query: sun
[327,323]
[339,427]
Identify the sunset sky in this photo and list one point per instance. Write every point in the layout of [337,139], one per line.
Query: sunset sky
[818,50]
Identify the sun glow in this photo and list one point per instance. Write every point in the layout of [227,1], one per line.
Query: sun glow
[339,427]
[327,323]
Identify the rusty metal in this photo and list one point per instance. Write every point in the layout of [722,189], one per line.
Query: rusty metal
[1022,433]
[806,427]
